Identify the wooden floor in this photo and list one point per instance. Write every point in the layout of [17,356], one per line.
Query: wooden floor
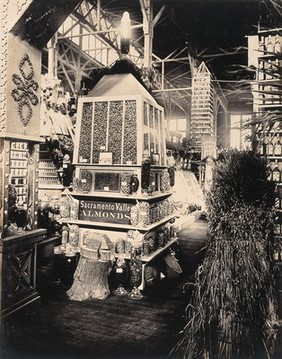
[117,327]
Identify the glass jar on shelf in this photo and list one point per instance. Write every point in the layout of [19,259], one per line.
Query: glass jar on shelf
[65,235]
[276,172]
[134,183]
[152,184]
[74,236]
[277,45]
[262,45]
[144,213]
[120,246]
[135,269]
[278,146]
[134,215]
[165,181]
[86,181]
[128,243]
[65,207]
[120,275]
[76,184]
[269,44]
[74,209]
[125,186]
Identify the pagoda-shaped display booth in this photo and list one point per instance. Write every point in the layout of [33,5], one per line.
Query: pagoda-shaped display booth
[119,121]
[119,116]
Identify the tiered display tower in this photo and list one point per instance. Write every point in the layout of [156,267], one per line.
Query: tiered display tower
[268,106]
[120,197]
[202,107]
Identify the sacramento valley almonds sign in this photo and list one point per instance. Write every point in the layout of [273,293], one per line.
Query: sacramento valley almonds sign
[111,212]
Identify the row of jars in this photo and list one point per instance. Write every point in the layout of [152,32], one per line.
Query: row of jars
[144,213]
[147,245]
[69,208]
[270,44]
[141,214]
[271,146]
[129,182]
[133,241]
[275,171]
[154,242]
[70,234]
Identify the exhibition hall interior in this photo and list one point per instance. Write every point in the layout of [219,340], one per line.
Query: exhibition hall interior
[141,179]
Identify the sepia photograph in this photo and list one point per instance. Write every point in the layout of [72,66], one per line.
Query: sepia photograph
[141,179]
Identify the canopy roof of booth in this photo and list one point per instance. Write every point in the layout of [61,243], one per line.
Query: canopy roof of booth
[119,85]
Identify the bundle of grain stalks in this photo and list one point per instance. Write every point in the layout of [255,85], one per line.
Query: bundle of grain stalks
[233,308]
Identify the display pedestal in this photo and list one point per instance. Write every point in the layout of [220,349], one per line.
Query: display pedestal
[19,290]
[90,280]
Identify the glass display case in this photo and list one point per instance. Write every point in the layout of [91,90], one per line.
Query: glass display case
[20,186]
[123,126]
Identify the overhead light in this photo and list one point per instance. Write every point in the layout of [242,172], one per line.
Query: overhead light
[125,33]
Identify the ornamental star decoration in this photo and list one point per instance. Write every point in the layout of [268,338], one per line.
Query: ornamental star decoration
[25,94]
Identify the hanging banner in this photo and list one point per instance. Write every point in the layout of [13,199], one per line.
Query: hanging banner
[23,91]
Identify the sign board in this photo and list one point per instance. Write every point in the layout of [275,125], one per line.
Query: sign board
[104,211]
[208,147]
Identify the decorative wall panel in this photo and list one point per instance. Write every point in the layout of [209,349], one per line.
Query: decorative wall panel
[23,85]
[130,132]
[100,129]
[84,149]
[115,130]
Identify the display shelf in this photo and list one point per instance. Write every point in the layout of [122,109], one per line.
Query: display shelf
[271,81]
[270,105]
[114,166]
[268,101]
[146,260]
[157,195]
[41,176]
[50,186]
[273,55]
[270,31]
[46,168]
[127,227]
[273,157]
[18,150]
[157,252]
[48,173]
[20,171]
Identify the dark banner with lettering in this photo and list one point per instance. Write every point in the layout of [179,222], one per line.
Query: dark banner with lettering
[108,212]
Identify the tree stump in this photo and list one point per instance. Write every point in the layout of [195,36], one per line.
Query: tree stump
[90,280]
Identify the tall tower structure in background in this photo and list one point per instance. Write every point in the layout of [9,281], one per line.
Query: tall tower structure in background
[203,119]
